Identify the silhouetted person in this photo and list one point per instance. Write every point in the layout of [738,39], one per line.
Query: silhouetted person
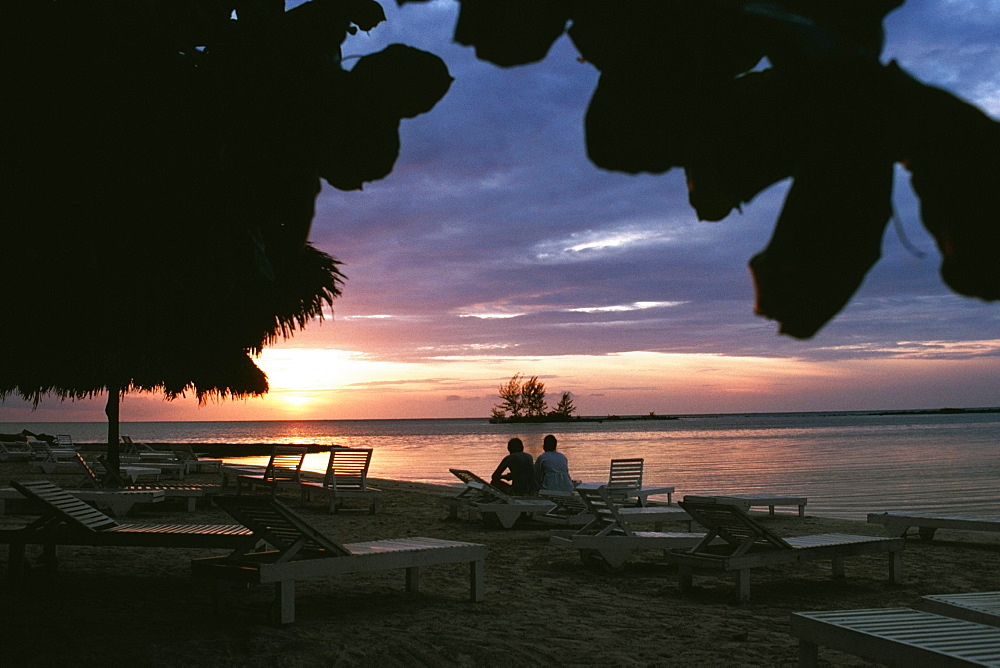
[551,467]
[518,468]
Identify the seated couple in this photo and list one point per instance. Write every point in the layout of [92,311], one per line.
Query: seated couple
[527,476]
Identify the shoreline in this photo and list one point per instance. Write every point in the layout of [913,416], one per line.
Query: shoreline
[543,607]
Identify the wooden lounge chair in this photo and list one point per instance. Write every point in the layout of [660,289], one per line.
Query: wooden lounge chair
[16,451]
[568,509]
[982,607]
[283,471]
[571,509]
[625,484]
[494,504]
[56,460]
[898,522]
[608,541]
[116,502]
[748,501]
[748,544]
[70,521]
[302,552]
[346,477]
[896,637]
[193,462]
[189,494]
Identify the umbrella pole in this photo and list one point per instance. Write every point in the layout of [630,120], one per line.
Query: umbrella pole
[112,411]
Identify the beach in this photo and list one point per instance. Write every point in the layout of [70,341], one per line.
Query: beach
[141,606]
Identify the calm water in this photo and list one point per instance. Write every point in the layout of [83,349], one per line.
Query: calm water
[848,464]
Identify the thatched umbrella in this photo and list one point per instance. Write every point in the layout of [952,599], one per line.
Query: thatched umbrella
[161,166]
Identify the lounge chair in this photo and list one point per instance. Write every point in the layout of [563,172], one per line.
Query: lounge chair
[69,521]
[346,477]
[283,471]
[748,544]
[571,509]
[193,462]
[748,501]
[116,502]
[898,522]
[608,541]
[625,484]
[481,499]
[189,494]
[301,551]
[15,451]
[56,460]
[982,607]
[896,637]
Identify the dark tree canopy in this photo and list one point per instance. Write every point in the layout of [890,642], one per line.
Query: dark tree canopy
[161,163]
[681,86]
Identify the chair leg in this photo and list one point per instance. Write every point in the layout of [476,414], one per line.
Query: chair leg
[284,602]
[476,589]
[743,584]
[413,579]
[808,654]
[838,567]
[684,577]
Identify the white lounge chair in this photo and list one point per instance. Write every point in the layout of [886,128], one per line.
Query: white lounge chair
[571,509]
[116,502]
[608,541]
[896,637]
[748,544]
[748,501]
[283,471]
[193,462]
[301,551]
[491,503]
[16,451]
[898,522]
[625,483]
[346,477]
[982,607]
[69,521]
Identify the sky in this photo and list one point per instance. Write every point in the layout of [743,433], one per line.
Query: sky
[496,248]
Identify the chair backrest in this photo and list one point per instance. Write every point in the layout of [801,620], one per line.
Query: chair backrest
[91,479]
[60,504]
[731,523]
[184,453]
[65,441]
[285,464]
[111,479]
[276,523]
[625,474]
[347,468]
[489,491]
[601,505]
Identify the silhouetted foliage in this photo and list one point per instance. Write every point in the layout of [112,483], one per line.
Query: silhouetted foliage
[161,163]
[677,89]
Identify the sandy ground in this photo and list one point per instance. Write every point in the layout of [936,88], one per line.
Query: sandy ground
[142,607]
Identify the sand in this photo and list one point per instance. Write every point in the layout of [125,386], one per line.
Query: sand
[141,606]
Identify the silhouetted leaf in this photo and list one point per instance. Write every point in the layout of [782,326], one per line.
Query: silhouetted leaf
[511,32]
[828,236]
[401,80]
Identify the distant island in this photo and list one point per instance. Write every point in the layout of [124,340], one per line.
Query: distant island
[540,419]
[936,411]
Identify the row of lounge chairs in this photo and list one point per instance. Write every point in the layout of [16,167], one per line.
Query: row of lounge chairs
[346,476]
[270,545]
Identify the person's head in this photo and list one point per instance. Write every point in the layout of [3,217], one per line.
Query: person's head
[549,443]
[515,445]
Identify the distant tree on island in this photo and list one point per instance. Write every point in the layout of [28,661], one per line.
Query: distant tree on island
[565,406]
[524,401]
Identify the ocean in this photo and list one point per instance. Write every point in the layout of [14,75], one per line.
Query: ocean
[847,463]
